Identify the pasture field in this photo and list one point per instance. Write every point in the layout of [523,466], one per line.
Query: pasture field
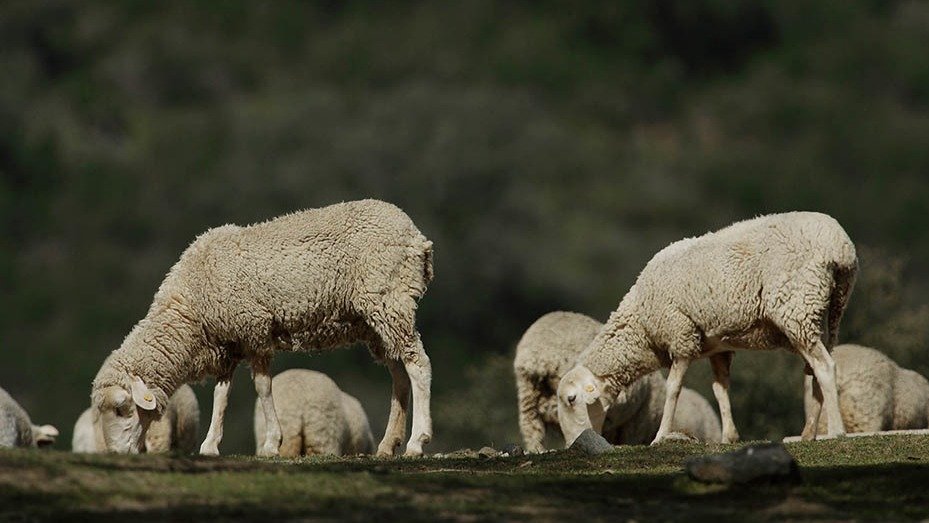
[870,478]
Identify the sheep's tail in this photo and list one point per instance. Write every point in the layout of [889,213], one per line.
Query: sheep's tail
[427,261]
[843,277]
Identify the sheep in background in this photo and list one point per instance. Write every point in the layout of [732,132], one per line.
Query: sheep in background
[875,394]
[17,430]
[549,348]
[635,416]
[316,417]
[176,430]
[778,281]
[311,280]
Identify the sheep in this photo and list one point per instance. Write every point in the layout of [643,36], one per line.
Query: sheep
[310,280]
[874,393]
[316,417]
[175,431]
[634,417]
[17,430]
[549,348]
[777,281]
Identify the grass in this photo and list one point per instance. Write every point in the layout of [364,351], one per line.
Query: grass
[862,478]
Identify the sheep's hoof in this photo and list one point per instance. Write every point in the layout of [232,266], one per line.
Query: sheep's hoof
[388,449]
[413,450]
[268,452]
[731,438]
[209,451]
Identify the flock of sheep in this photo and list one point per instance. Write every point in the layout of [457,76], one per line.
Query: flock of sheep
[353,272]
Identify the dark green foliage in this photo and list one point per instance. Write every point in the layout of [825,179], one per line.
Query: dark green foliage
[547,148]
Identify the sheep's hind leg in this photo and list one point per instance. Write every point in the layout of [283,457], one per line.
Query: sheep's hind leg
[214,435]
[399,405]
[819,359]
[721,364]
[261,375]
[811,389]
[672,392]
[419,370]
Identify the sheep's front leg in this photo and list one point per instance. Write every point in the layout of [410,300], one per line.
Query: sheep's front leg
[672,392]
[419,370]
[214,435]
[399,404]
[721,364]
[261,375]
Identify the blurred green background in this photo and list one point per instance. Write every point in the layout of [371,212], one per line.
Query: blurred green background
[548,149]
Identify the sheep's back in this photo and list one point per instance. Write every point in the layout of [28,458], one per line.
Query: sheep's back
[550,346]
[720,280]
[309,409]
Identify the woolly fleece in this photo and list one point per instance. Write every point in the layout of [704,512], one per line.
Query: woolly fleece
[316,417]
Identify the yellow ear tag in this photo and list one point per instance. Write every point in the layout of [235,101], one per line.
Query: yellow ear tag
[589,388]
[148,397]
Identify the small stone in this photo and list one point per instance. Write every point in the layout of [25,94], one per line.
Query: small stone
[764,462]
[591,443]
[680,436]
[462,453]
[512,449]
[488,452]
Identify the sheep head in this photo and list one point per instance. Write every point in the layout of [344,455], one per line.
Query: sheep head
[579,403]
[44,436]
[124,415]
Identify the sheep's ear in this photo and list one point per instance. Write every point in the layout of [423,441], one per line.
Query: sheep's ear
[141,395]
[592,390]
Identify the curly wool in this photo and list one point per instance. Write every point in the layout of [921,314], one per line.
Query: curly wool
[311,280]
[875,394]
[550,347]
[316,417]
[177,430]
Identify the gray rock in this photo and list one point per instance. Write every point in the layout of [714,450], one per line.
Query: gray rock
[591,443]
[461,454]
[488,452]
[764,462]
[512,449]
[680,436]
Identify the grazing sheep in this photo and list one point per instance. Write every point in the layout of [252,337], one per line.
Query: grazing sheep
[778,281]
[311,280]
[316,417]
[16,429]
[874,393]
[176,430]
[550,347]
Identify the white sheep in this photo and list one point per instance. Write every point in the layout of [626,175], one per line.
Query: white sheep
[316,417]
[875,394]
[310,280]
[550,347]
[17,430]
[634,417]
[176,430]
[778,281]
